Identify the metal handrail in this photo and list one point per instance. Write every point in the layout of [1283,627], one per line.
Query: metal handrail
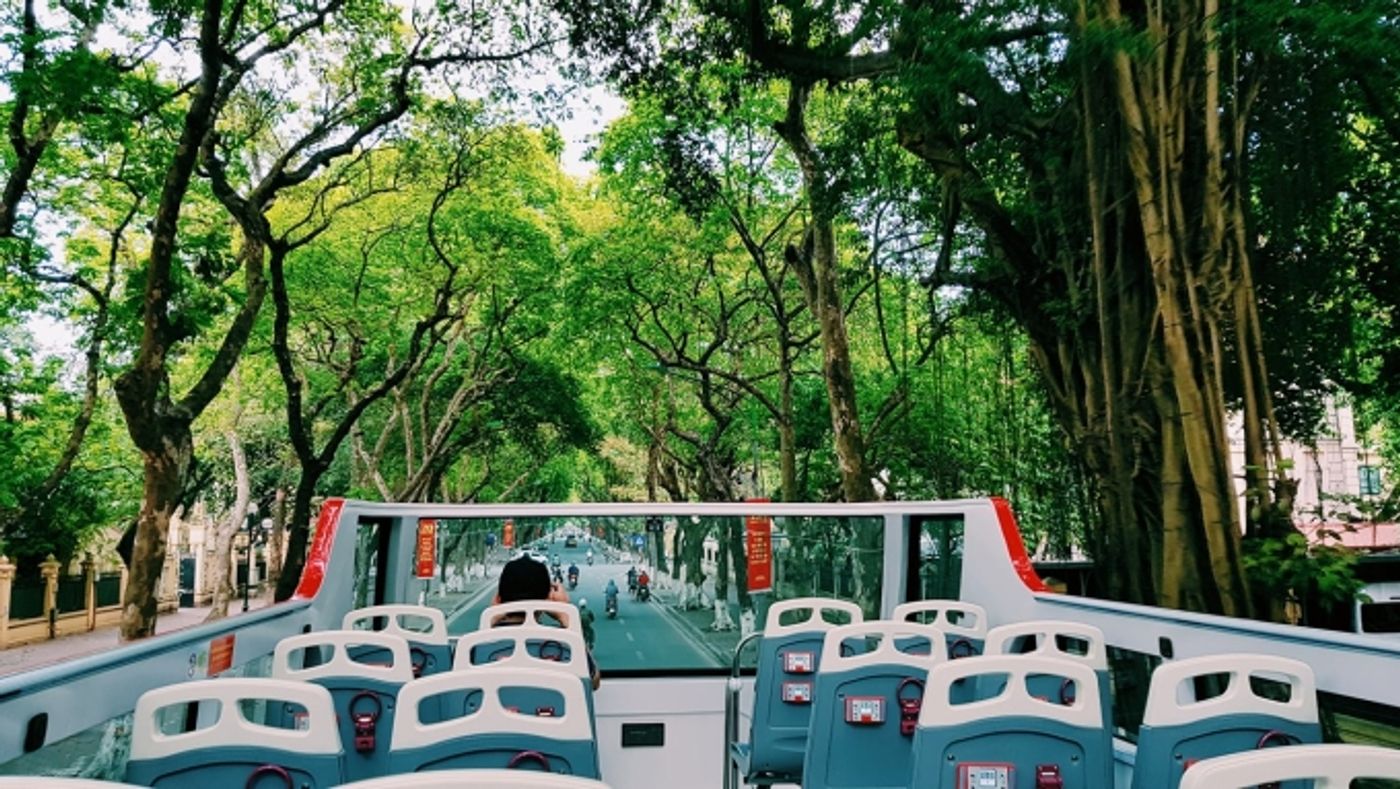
[731,711]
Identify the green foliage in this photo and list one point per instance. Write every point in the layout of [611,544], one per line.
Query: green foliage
[1316,574]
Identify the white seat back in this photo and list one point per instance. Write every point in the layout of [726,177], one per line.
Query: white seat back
[339,663]
[571,723]
[478,779]
[316,735]
[40,782]
[1014,700]
[971,619]
[520,637]
[887,652]
[773,625]
[1328,766]
[1169,705]
[394,617]
[1047,636]
[536,612]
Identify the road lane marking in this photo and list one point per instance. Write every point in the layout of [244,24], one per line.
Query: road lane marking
[640,656]
[629,637]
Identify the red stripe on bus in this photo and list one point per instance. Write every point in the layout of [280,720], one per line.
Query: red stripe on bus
[1015,548]
[319,557]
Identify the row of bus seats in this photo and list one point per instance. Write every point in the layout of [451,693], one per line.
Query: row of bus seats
[443,779]
[889,704]
[385,705]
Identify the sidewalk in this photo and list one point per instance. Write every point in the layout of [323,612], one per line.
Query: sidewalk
[722,642]
[42,653]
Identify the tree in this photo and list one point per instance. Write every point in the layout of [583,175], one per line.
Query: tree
[372,70]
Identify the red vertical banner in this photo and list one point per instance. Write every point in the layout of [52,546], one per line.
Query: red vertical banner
[758,546]
[508,534]
[425,559]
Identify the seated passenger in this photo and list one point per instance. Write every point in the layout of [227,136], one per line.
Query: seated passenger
[527,579]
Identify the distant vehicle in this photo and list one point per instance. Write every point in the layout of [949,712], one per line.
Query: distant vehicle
[1378,611]
[571,541]
[536,555]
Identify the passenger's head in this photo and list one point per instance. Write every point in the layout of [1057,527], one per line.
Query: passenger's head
[524,579]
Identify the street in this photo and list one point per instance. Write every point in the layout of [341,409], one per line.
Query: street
[643,636]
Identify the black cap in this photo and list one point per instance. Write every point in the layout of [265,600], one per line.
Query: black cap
[524,579]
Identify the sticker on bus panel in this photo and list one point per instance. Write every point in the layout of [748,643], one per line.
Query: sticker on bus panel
[865,710]
[984,776]
[797,692]
[799,662]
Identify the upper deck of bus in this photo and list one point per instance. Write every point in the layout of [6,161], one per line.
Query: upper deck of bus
[658,664]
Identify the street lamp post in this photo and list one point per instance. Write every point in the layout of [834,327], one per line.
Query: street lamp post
[252,529]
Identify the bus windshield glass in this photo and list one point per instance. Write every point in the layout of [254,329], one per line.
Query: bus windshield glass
[709,579]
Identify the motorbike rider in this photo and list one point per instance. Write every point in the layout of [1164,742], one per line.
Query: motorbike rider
[644,585]
[573,573]
[590,555]
[585,617]
[610,592]
[632,580]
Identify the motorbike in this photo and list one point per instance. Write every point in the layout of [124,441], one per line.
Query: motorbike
[590,561]
[611,607]
[644,593]
[573,580]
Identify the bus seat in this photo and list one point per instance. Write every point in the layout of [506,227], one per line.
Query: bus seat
[1179,728]
[477,779]
[527,647]
[364,671]
[231,749]
[867,703]
[788,656]
[428,648]
[521,718]
[1014,739]
[545,613]
[41,782]
[1050,638]
[1327,766]
[964,625]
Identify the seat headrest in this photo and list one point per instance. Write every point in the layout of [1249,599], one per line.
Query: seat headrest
[478,779]
[1015,699]
[493,716]
[396,618]
[564,613]
[814,606]
[551,643]
[954,617]
[317,734]
[340,662]
[1048,635]
[890,633]
[1328,766]
[1171,702]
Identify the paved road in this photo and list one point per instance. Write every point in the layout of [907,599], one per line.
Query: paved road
[643,636]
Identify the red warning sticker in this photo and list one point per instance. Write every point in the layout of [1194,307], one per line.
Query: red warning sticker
[220,655]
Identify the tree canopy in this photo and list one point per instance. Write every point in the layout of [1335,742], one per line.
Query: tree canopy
[1072,254]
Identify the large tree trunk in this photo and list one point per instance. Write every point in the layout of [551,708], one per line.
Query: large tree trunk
[787,433]
[819,271]
[1189,264]
[275,541]
[164,473]
[222,581]
[299,535]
